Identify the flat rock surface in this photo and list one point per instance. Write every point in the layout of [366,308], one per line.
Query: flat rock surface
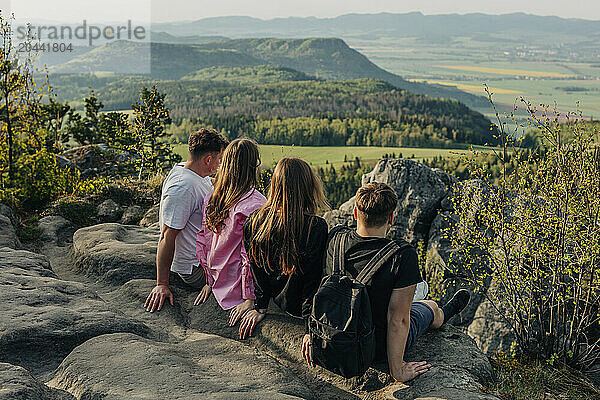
[42,317]
[114,254]
[125,366]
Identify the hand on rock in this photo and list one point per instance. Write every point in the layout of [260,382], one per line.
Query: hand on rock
[157,297]
[239,311]
[203,296]
[411,370]
[249,321]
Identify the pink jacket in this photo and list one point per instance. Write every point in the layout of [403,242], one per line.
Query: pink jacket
[223,255]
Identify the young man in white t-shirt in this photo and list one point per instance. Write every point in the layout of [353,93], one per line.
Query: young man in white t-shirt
[180,215]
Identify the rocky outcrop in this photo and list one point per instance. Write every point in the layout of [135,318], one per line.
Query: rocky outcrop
[16,383]
[132,215]
[9,224]
[420,191]
[490,331]
[109,211]
[151,216]
[200,367]
[42,317]
[98,160]
[114,253]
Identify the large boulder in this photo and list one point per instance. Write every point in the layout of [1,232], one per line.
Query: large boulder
[458,366]
[16,383]
[125,366]
[114,253]
[109,211]
[56,230]
[132,215]
[9,223]
[42,318]
[489,329]
[458,370]
[420,191]
[151,216]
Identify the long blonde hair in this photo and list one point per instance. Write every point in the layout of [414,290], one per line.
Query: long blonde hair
[237,175]
[295,192]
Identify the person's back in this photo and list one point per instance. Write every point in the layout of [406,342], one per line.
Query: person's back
[188,189]
[399,271]
[397,320]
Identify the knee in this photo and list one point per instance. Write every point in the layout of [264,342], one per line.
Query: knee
[438,314]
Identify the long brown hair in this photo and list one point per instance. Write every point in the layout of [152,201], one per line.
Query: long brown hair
[236,176]
[295,193]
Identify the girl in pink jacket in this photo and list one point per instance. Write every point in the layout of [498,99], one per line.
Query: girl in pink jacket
[219,244]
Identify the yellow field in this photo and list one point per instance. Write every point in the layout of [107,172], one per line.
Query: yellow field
[469,88]
[504,71]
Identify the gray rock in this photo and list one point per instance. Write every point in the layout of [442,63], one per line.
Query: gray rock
[489,330]
[458,369]
[63,162]
[8,212]
[9,223]
[459,365]
[8,234]
[114,253]
[42,318]
[56,230]
[109,211]
[420,191]
[151,216]
[132,215]
[125,366]
[16,383]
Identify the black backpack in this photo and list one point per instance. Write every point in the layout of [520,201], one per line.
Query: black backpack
[340,325]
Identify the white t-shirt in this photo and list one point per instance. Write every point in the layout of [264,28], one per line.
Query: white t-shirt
[183,193]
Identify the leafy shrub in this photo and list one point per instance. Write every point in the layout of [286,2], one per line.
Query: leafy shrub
[536,236]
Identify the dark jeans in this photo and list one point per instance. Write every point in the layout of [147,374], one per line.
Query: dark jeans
[421,318]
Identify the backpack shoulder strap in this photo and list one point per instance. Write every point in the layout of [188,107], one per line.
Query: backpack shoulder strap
[377,261]
[339,242]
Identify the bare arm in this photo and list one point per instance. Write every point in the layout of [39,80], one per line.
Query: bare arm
[164,258]
[398,327]
[165,253]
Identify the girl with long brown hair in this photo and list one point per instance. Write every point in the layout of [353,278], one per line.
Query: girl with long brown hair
[219,243]
[285,240]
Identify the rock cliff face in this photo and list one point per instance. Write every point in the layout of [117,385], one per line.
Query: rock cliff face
[73,318]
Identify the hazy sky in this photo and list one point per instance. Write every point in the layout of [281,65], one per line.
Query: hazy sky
[175,10]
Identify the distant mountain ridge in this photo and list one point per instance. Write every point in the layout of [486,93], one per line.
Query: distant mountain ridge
[323,58]
[408,24]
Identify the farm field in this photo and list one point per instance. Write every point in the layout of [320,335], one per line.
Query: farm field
[335,155]
[468,64]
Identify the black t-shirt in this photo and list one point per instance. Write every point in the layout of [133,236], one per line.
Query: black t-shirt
[292,293]
[401,270]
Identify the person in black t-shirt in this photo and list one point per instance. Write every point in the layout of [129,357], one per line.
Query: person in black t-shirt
[285,241]
[398,321]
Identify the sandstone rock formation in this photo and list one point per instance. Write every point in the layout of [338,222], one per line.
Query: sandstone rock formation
[121,366]
[9,224]
[16,383]
[420,191]
[42,317]
[103,250]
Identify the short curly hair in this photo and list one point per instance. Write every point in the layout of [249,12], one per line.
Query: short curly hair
[206,141]
[375,202]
